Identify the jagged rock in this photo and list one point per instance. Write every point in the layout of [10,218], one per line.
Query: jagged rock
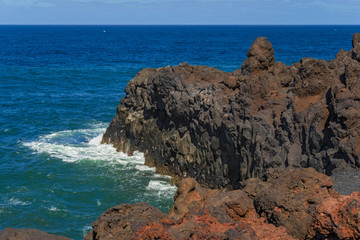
[305,203]
[261,56]
[122,221]
[338,218]
[28,234]
[356,47]
[290,197]
[223,128]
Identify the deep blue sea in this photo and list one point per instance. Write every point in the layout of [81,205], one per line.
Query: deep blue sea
[59,88]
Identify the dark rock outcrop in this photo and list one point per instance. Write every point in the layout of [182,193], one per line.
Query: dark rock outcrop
[28,234]
[282,204]
[223,128]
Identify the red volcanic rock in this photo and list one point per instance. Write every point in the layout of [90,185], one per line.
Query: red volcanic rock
[223,209]
[338,217]
[291,196]
[283,204]
[197,225]
[189,197]
[120,222]
[28,234]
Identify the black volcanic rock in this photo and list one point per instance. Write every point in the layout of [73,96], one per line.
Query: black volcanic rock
[223,128]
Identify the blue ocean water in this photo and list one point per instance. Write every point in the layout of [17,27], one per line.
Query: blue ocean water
[59,88]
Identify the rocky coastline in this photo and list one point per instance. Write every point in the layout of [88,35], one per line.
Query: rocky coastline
[250,151]
[222,128]
[289,204]
[267,132]
[283,204]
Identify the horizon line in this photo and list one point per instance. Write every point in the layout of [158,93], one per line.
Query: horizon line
[105,24]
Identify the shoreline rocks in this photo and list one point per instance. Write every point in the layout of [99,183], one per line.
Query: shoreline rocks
[28,234]
[223,128]
[283,204]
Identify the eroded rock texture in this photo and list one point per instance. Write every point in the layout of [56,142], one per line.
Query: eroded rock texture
[120,222]
[28,234]
[222,128]
[283,204]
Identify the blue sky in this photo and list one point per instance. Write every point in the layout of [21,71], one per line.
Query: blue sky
[179,12]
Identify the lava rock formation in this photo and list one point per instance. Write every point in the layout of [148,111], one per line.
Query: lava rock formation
[282,204]
[222,128]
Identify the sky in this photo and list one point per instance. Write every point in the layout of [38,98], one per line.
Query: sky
[180,12]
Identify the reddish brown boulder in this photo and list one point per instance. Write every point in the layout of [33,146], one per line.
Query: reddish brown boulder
[122,221]
[290,197]
[338,217]
[189,197]
[28,234]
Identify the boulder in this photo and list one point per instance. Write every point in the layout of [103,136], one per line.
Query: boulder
[120,222]
[337,217]
[28,234]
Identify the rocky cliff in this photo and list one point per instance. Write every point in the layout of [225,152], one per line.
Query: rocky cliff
[222,128]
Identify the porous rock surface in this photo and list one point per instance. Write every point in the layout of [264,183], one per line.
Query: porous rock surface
[28,234]
[222,128]
[282,204]
[120,222]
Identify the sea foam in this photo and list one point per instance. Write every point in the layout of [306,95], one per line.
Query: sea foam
[80,144]
[85,145]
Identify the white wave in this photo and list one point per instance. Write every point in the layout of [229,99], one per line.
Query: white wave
[145,168]
[17,202]
[161,187]
[82,144]
[96,140]
[85,230]
[53,209]
[85,144]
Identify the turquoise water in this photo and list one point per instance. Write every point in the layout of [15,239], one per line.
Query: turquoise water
[59,88]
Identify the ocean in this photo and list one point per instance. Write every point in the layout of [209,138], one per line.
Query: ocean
[59,88]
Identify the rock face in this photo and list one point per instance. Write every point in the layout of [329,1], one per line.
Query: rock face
[283,204]
[28,234]
[222,128]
